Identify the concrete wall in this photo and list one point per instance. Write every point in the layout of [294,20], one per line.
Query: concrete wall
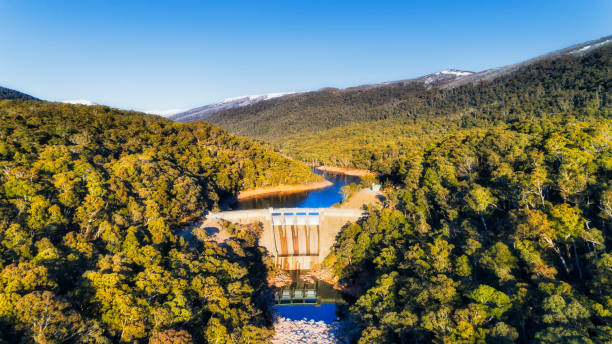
[297,238]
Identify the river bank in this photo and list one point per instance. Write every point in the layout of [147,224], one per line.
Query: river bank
[282,189]
[361,198]
[355,172]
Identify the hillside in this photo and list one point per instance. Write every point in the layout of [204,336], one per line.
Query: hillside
[495,228]
[439,79]
[92,200]
[489,236]
[7,93]
[205,111]
[367,126]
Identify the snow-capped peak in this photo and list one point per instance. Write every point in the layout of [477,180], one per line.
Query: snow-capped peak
[165,113]
[258,97]
[227,103]
[79,101]
[444,76]
[590,46]
[455,72]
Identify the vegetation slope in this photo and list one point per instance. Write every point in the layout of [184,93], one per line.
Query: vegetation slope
[491,235]
[91,200]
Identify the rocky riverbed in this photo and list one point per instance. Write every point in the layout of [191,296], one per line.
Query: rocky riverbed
[304,331]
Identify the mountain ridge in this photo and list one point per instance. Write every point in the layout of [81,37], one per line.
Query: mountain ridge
[364,127]
[205,111]
[227,103]
[446,79]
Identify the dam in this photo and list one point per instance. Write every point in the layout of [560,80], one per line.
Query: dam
[297,238]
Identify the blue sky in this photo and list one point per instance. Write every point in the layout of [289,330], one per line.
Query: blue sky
[147,55]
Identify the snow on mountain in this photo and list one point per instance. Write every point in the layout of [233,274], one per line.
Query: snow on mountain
[444,76]
[455,72]
[491,74]
[445,79]
[255,98]
[227,103]
[79,101]
[430,80]
[164,113]
[590,46]
[203,112]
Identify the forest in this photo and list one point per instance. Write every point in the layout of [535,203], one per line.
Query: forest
[497,225]
[93,200]
[493,235]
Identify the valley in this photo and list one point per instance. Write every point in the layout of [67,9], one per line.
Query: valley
[457,207]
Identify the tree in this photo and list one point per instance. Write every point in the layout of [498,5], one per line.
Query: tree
[171,337]
[479,199]
[499,260]
[47,319]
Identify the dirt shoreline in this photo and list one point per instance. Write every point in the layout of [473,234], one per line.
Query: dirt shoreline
[283,189]
[355,172]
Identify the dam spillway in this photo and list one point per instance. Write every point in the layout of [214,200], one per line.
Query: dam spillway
[297,238]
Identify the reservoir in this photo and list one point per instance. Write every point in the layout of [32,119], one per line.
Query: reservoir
[321,198]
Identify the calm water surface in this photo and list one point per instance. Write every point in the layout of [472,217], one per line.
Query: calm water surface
[321,198]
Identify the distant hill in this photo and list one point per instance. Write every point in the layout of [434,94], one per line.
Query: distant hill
[203,112]
[7,93]
[491,74]
[367,124]
[328,108]
[226,110]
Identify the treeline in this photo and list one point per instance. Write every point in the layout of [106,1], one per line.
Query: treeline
[366,128]
[91,199]
[492,235]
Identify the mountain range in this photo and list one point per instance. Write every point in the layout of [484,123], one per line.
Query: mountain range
[367,124]
[228,103]
[446,79]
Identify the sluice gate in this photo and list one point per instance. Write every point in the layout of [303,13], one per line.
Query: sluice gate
[305,290]
[294,294]
[297,238]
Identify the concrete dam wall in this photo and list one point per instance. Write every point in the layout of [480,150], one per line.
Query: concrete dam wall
[297,238]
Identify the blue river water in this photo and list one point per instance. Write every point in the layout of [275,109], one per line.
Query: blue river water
[326,312]
[321,198]
[323,306]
